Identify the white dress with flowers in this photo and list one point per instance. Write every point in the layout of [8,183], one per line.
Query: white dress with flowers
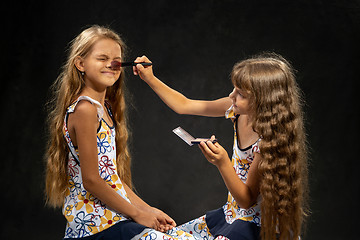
[86,214]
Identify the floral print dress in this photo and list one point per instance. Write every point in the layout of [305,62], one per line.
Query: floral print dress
[87,217]
[85,214]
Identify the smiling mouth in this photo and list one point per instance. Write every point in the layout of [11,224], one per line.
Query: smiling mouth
[112,73]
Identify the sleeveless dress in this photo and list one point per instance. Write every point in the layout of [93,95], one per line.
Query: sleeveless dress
[87,217]
[231,221]
[85,214]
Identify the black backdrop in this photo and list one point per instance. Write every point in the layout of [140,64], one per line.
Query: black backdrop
[193,45]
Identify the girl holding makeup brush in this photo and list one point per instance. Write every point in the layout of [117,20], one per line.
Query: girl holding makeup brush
[267,174]
[88,162]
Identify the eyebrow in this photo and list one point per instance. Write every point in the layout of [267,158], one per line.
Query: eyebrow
[242,92]
[106,56]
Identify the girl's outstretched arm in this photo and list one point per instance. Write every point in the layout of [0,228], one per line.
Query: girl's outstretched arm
[84,123]
[245,194]
[177,101]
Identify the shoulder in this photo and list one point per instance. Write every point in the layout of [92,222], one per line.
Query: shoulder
[84,113]
[86,109]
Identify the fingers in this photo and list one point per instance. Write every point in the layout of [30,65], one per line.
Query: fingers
[205,149]
[209,147]
[202,150]
[170,221]
[144,72]
[158,226]
[167,221]
[213,152]
[143,58]
[135,69]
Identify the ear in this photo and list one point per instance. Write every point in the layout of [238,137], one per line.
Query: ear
[79,63]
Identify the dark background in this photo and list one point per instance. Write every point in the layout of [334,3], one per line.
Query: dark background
[193,45]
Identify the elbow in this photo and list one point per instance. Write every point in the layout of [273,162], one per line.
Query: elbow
[180,111]
[184,107]
[90,183]
[249,204]
[246,202]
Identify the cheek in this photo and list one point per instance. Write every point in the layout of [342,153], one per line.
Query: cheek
[242,104]
[239,100]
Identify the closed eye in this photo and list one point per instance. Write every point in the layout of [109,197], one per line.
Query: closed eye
[240,94]
[106,58]
[102,57]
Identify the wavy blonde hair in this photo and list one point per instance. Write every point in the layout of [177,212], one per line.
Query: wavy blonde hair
[66,90]
[275,100]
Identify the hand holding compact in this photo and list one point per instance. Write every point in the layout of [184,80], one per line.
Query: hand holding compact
[214,152]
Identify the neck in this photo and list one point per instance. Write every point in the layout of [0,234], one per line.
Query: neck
[98,96]
[245,133]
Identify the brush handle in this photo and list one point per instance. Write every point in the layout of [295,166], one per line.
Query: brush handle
[128,64]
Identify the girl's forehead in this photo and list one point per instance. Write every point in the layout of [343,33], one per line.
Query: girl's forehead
[107,47]
[239,89]
[242,91]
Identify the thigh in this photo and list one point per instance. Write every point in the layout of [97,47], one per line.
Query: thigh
[197,228]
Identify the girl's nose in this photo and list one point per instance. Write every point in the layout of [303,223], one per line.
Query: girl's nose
[231,95]
[108,64]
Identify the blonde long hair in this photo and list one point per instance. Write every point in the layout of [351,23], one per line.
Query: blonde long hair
[66,89]
[275,100]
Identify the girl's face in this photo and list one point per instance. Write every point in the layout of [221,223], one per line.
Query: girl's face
[240,101]
[97,64]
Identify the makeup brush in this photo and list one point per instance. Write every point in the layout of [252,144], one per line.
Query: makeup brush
[116,65]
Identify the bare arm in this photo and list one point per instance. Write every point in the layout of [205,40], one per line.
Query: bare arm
[245,194]
[177,101]
[85,123]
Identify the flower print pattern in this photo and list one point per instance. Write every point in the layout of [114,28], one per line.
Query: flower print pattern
[75,185]
[103,143]
[113,183]
[73,170]
[241,168]
[84,223]
[68,213]
[177,233]
[195,229]
[106,167]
